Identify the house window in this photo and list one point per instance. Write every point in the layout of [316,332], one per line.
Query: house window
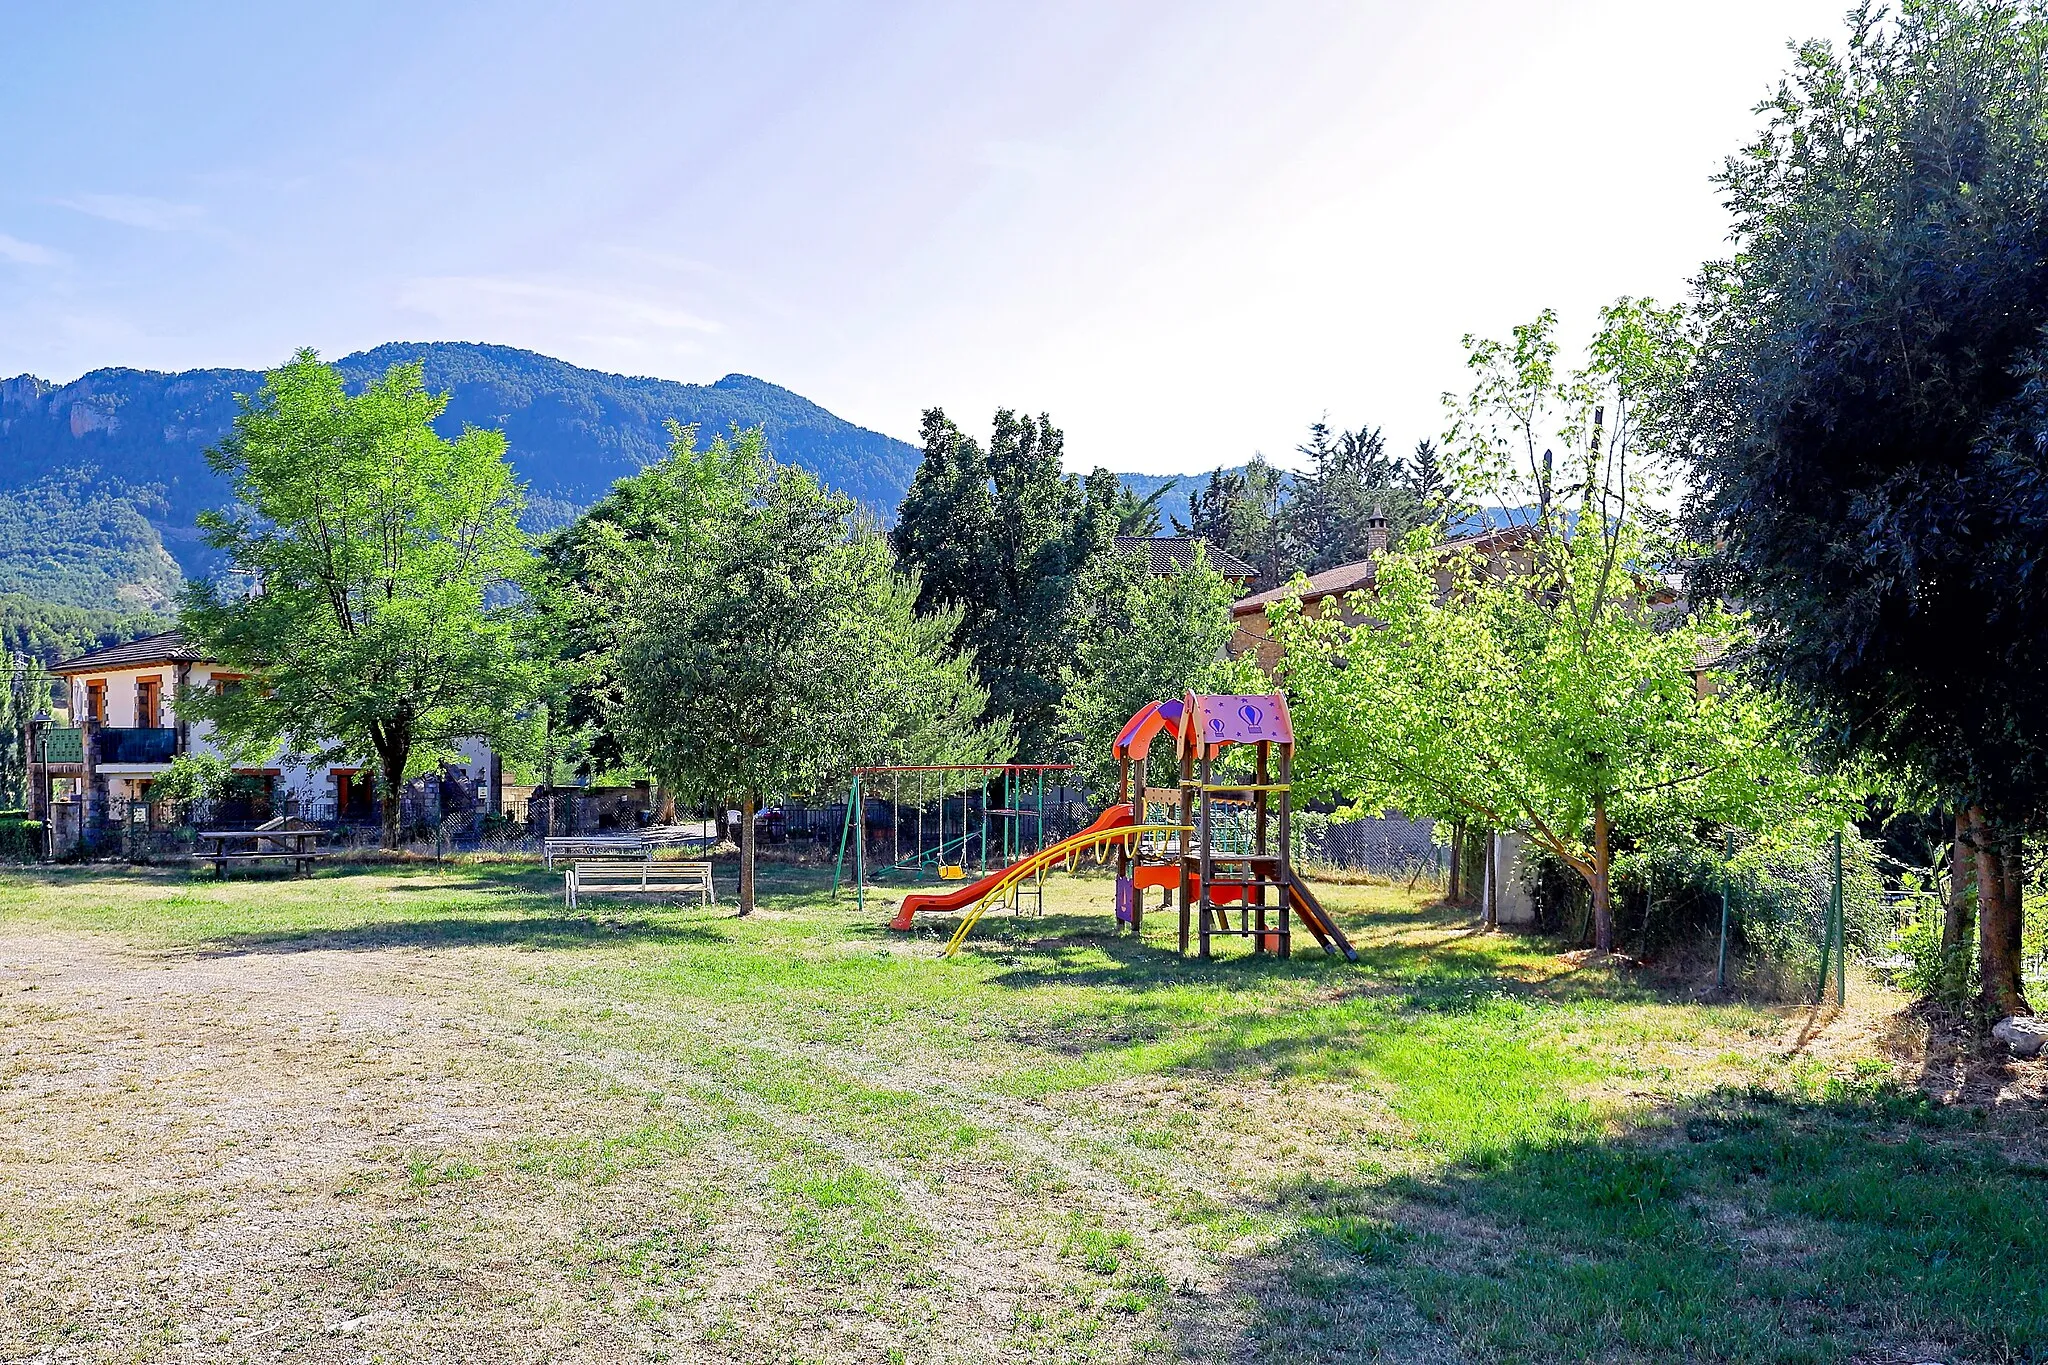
[149,702]
[96,702]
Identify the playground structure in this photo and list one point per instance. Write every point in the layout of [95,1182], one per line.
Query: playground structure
[1166,837]
[944,842]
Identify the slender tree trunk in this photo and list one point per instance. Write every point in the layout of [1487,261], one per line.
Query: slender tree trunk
[1999,876]
[392,758]
[1454,889]
[747,853]
[1490,912]
[1603,903]
[1955,919]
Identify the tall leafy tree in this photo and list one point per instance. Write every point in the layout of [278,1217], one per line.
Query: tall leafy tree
[1321,516]
[943,524]
[1429,483]
[1538,693]
[1547,685]
[1352,480]
[1869,414]
[1244,511]
[662,520]
[24,694]
[380,627]
[1004,535]
[1136,516]
[1147,637]
[786,651]
[1211,509]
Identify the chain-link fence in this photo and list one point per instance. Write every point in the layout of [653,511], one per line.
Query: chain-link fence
[1796,912]
[1758,913]
[1390,848]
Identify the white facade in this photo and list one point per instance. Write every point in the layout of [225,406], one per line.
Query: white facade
[143,696]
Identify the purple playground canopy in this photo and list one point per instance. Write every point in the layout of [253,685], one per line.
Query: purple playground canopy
[1241,719]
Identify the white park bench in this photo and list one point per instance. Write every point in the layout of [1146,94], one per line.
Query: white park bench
[595,846]
[649,878]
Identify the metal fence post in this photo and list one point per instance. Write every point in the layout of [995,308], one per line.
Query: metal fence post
[852,799]
[1721,964]
[1840,930]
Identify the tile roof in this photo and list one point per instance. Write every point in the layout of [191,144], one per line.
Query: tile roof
[1329,583]
[165,647]
[1165,554]
[1358,575]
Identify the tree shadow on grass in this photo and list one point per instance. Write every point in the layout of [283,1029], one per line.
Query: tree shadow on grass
[1859,1220]
[1433,976]
[539,933]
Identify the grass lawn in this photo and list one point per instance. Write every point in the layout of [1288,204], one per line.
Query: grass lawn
[423,1114]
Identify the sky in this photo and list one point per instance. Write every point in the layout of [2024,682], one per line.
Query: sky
[1184,230]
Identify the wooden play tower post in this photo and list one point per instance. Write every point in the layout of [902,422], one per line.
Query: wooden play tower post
[1210,724]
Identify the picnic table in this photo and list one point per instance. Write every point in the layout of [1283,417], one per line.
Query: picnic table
[297,846]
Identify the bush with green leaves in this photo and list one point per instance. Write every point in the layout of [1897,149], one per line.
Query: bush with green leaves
[1668,904]
[21,840]
[1931,971]
[193,777]
[1148,637]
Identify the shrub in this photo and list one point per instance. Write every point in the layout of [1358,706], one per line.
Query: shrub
[1932,972]
[21,841]
[1668,905]
[193,777]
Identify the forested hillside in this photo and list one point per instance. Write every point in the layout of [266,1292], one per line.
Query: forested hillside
[128,450]
[101,479]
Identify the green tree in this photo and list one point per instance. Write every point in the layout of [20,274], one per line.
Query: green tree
[788,652]
[380,626]
[24,694]
[1136,516]
[1282,523]
[1351,479]
[1529,696]
[1547,685]
[1153,637]
[663,522]
[1430,485]
[1869,413]
[1005,535]
[1244,511]
[193,777]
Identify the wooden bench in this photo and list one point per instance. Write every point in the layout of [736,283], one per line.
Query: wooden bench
[647,878]
[595,846]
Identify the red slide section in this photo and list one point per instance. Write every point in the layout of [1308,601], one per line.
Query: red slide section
[960,897]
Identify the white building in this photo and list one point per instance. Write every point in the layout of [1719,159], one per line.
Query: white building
[125,731]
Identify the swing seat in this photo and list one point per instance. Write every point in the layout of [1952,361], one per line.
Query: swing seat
[952,872]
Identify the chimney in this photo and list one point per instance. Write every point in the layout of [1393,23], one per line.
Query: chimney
[1376,532]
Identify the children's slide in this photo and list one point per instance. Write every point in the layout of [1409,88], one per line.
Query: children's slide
[1318,920]
[1052,855]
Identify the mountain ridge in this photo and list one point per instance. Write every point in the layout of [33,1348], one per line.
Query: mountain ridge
[140,436]
[102,478]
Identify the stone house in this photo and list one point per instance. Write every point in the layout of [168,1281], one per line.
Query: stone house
[125,731]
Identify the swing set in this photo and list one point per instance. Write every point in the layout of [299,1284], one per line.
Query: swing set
[950,821]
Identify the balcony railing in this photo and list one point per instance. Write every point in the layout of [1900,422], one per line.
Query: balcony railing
[64,745]
[154,745]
